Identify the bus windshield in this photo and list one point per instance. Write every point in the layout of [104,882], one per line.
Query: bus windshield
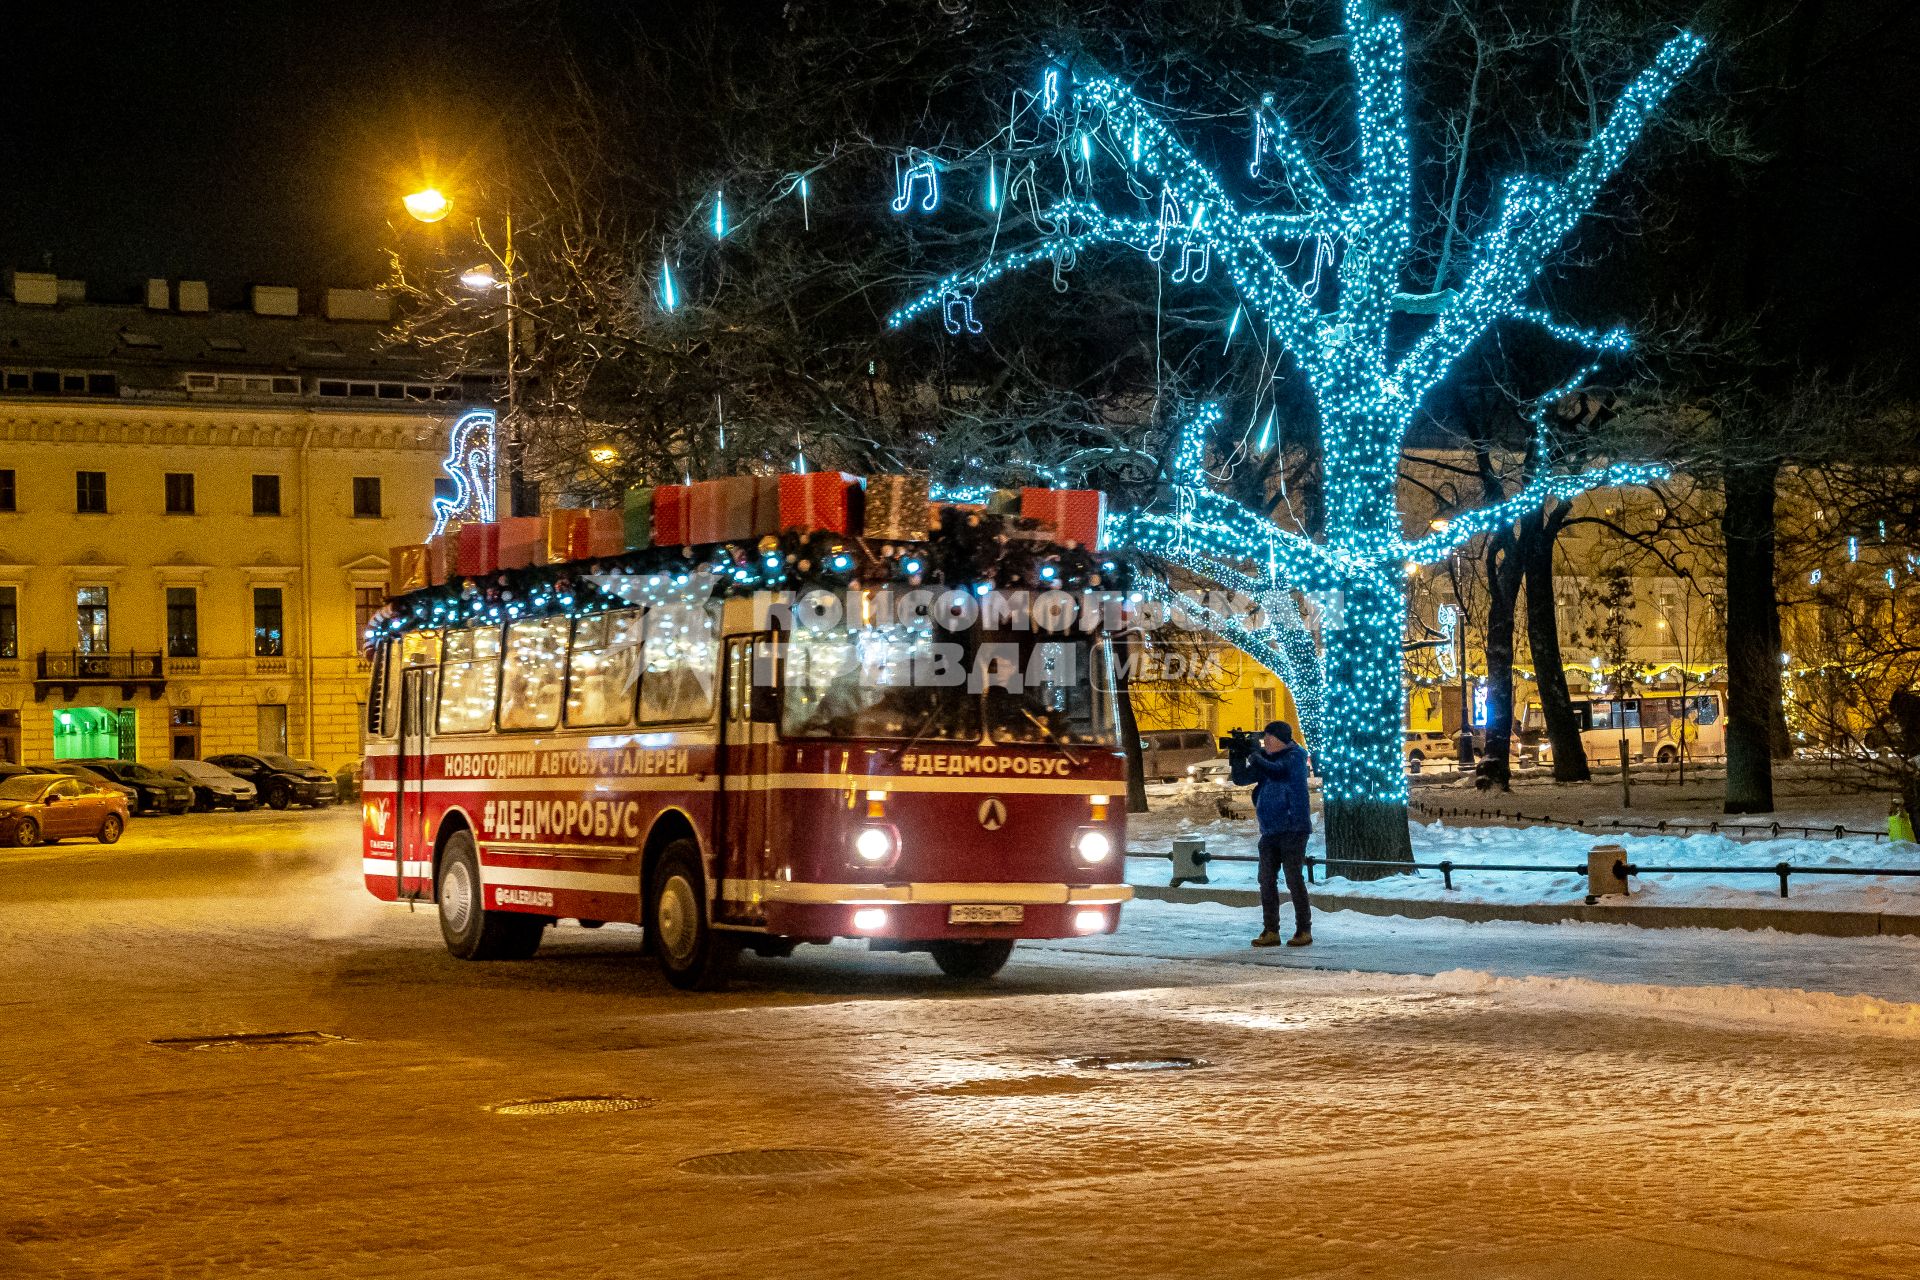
[861,683]
[1064,696]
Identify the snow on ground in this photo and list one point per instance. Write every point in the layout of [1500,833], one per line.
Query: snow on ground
[1567,847]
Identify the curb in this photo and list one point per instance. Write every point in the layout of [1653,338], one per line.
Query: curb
[1831,924]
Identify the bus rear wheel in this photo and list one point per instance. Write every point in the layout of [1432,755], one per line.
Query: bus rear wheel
[471,931]
[971,961]
[694,955]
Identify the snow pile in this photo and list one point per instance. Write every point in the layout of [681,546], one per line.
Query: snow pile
[1777,1009]
[1567,847]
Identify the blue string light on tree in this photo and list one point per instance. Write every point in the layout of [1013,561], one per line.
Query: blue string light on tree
[1366,378]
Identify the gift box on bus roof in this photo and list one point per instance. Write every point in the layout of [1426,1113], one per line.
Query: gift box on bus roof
[820,500]
[897,507]
[1075,515]
[733,509]
[478,550]
[670,511]
[523,540]
[566,535]
[443,555]
[407,569]
[606,532]
[636,509]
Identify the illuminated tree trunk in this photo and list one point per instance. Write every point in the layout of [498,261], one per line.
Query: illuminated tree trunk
[1363,782]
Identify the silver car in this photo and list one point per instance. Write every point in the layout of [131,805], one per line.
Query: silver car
[213,787]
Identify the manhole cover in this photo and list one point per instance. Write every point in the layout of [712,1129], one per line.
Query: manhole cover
[768,1162]
[250,1040]
[1114,1062]
[569,1106]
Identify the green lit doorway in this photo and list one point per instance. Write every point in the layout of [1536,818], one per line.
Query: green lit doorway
[94,733]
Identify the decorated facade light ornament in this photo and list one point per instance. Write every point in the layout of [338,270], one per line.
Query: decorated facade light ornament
[471,462]
[1368,371]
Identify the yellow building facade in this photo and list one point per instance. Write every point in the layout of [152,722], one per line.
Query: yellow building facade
[196,510]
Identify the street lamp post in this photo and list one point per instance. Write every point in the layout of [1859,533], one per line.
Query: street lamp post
[429,206]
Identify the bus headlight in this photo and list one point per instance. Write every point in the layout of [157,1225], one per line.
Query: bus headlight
[875,847]
[1092,846]
[870,919]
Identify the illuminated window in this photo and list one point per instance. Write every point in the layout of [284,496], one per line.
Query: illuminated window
[269,633]
[469,681]
[9,622]
[682,662]
[604,669]
[533,674]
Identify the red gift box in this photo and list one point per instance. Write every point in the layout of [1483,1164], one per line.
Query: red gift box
[522,539]
[442,552]
[828,500]
[606,533]
[670,512]
[406,569]
[479,550]
[1075,515]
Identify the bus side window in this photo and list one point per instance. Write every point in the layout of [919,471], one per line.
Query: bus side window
[681,660]
[469,681]
[1707,709]
[533,676]
[381,721]
[603,670]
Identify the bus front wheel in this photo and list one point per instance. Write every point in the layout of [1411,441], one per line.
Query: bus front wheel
[971,961]
[471,931]
[694,955]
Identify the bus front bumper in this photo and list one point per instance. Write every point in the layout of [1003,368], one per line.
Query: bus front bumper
[927,911]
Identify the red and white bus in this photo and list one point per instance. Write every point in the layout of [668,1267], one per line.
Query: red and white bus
[726,785]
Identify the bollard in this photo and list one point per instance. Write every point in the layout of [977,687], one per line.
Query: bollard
[1601,880]
[1189,861]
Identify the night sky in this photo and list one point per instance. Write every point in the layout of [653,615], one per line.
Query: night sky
[238,143]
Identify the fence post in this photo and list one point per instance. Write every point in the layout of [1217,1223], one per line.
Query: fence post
[1446,871]
[1603,878]
[1189,861]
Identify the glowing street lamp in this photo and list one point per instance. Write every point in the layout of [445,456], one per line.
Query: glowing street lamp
[480,278]
[427,205]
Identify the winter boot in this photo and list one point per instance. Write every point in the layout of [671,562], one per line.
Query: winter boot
[1301,939]
[1269,938]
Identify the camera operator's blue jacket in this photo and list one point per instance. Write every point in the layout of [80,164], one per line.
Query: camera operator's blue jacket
[1279,788]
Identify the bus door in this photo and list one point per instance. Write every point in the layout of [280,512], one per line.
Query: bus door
[747,754]
[413,842]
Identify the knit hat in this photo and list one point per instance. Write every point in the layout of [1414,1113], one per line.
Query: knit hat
[1281,730]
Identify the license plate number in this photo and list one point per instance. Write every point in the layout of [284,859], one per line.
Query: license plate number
[983,913]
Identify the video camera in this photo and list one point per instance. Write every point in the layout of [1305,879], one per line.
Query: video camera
[1240,742]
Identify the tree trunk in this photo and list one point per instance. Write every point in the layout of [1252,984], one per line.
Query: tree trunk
[1503,590]
[1362,771]
[1753,625]
[1535,534]
[1124,650]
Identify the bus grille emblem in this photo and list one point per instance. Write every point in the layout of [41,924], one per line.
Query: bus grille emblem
[993,814]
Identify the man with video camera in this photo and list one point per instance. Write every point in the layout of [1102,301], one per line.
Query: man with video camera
[1276,767]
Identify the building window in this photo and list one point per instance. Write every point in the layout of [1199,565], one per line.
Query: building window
[9,500]
[367,601]
[269,641]
[9,622]
[183,622]
[266,495]
[366,496]
[179,493]
[90,492]
[91,606]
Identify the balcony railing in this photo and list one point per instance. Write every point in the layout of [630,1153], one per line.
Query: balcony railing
[73,669]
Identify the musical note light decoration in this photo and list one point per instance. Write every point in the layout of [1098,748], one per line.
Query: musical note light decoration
[1345,328]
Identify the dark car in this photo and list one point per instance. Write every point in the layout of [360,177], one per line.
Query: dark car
[213,787]
[282,780]
[153,791]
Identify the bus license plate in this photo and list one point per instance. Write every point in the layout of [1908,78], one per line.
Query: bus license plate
[981,913]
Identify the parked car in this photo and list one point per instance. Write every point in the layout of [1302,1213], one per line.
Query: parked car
[8,769]
[347,779]
[153,791]
[1423,745]
[36,807]
[213,787]
[1216,773]
[1165,754]
[93,777]
[282,780]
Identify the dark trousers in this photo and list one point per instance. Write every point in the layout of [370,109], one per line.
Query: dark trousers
[1286,849]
